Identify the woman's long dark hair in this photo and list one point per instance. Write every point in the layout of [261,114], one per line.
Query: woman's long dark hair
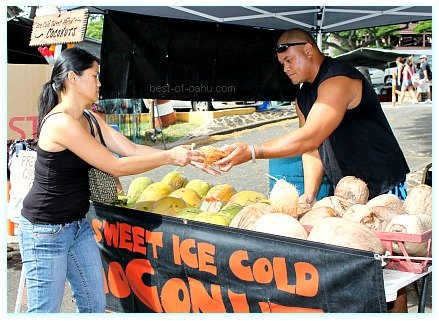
[73,59]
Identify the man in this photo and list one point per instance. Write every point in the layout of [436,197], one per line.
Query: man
[342,128]
[399,68]
[424,79]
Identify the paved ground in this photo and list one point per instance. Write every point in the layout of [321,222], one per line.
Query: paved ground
[412,125]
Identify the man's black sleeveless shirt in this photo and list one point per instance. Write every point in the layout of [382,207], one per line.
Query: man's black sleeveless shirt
[60,193]
[363,145]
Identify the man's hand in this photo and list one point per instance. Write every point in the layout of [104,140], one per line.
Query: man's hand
[240,154]
[307,199]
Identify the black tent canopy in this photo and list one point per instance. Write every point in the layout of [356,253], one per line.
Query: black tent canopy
[222,45]
[311,18]
[371,57]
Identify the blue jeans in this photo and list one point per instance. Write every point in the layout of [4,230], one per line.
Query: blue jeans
[52,254]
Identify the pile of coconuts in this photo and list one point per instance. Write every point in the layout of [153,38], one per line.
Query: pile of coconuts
[348,218]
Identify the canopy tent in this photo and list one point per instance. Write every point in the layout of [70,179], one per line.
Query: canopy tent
[318,19]
[311,18]
[259,19]
[378,58]
[371,57]
[19,52]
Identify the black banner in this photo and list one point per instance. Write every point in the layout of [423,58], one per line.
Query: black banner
[155,263]
[163,58]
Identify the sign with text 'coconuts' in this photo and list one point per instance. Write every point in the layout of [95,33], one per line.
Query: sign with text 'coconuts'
[62,28]
[159,263]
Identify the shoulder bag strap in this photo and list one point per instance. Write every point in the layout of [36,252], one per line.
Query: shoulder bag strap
[88,117]
[92,119]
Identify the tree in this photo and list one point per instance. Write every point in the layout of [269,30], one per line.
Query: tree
[423,26]
[95,26]
[380,37]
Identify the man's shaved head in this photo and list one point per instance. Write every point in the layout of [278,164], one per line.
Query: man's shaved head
[296,35]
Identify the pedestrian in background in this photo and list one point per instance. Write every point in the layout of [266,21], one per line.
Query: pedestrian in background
[407,81]
[425,76]
[55,237]
[399,68]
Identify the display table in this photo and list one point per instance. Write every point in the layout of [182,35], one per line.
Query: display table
[395,280]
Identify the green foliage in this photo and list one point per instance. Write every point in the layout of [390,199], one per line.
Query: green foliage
[95,26]
[387,30]
[376,37]
[423,26]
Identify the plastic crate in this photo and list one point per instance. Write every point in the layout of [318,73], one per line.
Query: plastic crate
[406,263]
[291,170]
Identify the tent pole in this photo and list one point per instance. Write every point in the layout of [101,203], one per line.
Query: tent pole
[319,39]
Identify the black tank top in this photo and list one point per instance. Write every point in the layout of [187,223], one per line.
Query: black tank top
[60,193]
[363,145]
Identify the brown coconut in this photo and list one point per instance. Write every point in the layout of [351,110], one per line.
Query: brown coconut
[246,217]
[342,232]
[316,214]
[353,189]
[284,198]
[419,200]
[339,204]
[280,224]
[389,201]
[410,224]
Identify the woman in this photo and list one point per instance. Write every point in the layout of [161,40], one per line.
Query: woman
[56,241]
[407,81]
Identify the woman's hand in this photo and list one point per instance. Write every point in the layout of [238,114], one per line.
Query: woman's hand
[183,155]
[206,168]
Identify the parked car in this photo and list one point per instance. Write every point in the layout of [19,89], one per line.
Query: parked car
[377,76]
[181,105]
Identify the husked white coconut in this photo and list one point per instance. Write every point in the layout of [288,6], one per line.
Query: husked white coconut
[314,215]
[246,217]
[364,214]
[343,232]
[419,200]
[410,224]
[280,224]
[390,201]
[353,189]
[284,198]
[339,204]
